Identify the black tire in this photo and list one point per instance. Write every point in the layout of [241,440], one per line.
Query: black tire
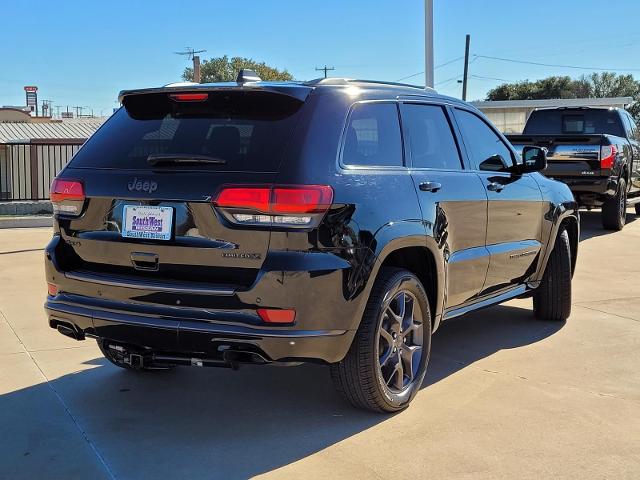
[614,210]
[118,358]
[552,299]
[637,206]
[359,377]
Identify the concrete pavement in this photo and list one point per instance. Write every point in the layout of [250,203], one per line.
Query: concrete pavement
[506,396]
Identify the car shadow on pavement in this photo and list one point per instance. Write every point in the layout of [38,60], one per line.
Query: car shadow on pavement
[217,423]
[591,223]
[462,341]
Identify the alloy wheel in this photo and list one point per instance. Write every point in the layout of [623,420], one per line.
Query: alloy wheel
[400,338]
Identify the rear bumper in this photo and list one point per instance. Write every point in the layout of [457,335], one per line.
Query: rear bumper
[199,322]
[197,338]
[590,191]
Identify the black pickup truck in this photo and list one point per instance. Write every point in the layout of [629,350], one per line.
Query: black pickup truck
[595,151]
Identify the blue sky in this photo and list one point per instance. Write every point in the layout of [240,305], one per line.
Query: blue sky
[83,52]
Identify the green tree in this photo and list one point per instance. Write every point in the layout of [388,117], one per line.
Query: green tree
[225,69]
[598,85]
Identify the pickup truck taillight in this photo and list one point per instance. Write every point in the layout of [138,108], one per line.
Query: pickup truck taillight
[67,196]
[608,156]
[301,206]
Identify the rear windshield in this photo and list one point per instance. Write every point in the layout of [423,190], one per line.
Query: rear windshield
[574,122]
[247,131]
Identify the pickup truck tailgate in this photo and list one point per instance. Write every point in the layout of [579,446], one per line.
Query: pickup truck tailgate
[568,155]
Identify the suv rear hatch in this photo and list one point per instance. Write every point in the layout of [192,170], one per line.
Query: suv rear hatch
[150,177]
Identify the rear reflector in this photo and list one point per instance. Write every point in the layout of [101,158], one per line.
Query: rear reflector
[608,156]
[189,97]
[67,196]
[52,289]
[278,205]
[270,315]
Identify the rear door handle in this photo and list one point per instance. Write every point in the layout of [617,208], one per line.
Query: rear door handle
[430,186]
[495,187]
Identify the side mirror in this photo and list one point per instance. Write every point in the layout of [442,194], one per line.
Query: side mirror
[534,159]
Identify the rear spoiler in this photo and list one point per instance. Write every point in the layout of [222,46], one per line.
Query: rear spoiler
[290,89]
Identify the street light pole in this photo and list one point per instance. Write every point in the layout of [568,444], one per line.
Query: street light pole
[428,42]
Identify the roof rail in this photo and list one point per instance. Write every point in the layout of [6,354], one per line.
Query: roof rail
[347,81]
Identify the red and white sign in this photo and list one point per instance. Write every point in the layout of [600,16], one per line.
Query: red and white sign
[30,88]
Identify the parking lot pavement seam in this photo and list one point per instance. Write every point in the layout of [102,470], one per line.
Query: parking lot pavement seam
[40,350]
[538,382]
[62,402]
[607,313]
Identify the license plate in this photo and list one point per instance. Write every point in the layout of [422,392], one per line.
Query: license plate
[143,221]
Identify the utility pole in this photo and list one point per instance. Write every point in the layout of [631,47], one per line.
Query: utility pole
[466,67]
[47,108]
[191,55]
[324,69]
[196,68]
[428,43]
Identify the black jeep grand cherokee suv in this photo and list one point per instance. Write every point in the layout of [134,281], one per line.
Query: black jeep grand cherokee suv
[333,221]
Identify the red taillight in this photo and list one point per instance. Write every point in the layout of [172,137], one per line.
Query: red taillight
[241,197]
[307,199]
[279,205]
[62,190]
[608,156]
[52,289]
[270,315]
[67,196]
[189,97]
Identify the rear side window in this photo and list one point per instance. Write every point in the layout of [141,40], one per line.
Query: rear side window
[248,131]
[431,141]
[373,136]
[484,146]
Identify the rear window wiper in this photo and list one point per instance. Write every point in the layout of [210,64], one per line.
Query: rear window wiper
[183,158]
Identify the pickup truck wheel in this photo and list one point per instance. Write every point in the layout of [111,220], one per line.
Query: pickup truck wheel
[118,358]
[614,210]
[552,299]
[637,206]
[388,358]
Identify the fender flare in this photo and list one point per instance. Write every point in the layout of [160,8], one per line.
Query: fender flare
[563,212]
[394,236]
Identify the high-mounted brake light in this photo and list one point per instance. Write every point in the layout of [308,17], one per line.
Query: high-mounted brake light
[67,196]
[280,205]
[189,97]
[608,156]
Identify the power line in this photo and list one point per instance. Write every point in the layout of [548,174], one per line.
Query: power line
[437,66]
[491,78]
[512,60]
[448,80]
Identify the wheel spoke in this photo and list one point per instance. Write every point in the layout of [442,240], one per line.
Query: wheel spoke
[401,301]
[386,356]
[399,374]
[394,318]
[386,336]
[393,370]
[409,354]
